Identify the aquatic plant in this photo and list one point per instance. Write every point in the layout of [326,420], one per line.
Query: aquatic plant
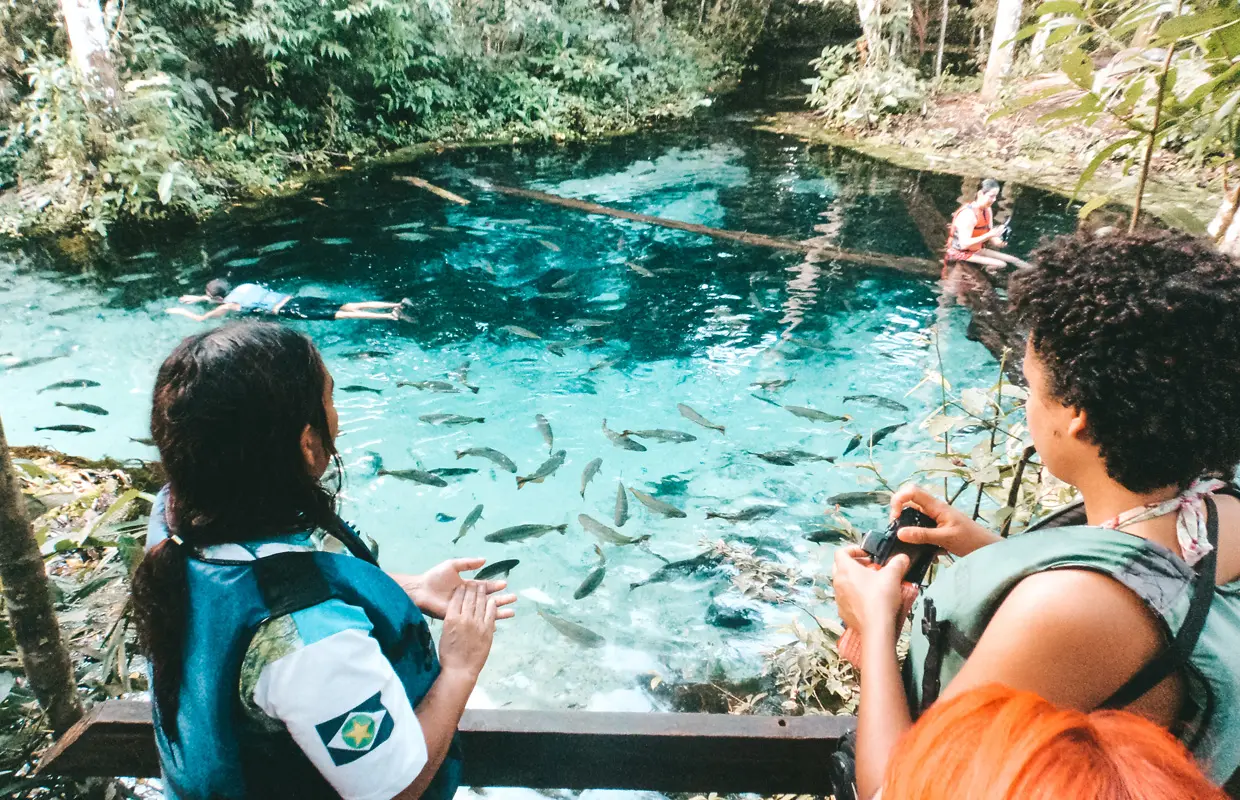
[1160,75]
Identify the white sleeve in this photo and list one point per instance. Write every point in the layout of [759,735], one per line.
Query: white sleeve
[347,710]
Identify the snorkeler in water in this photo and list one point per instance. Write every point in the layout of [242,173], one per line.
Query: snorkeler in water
[250,298]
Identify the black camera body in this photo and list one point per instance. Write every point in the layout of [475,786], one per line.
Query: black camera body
[882,546]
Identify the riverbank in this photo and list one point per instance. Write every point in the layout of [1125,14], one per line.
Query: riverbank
[957,135]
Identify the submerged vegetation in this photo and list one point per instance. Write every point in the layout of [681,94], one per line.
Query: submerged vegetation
[188,103]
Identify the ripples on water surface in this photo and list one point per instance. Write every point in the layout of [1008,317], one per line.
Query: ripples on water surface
[714,318]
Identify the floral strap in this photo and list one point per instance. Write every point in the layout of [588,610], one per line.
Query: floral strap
[1190,521]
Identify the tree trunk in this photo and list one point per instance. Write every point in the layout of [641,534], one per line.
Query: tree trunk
[1002,47]
[1226,225]
[647,18]
[868,11]
[88,43]
[938,56]
[27,596]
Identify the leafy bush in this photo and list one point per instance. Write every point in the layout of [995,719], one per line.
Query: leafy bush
[851,91]
[225,96]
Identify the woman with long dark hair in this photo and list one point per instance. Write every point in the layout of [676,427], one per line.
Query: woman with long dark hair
[278,669]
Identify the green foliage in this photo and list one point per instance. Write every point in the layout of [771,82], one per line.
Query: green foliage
[220,97]
[852,91]
[1166,79]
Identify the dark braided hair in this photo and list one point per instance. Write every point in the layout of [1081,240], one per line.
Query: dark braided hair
[228,413]
[1142,333]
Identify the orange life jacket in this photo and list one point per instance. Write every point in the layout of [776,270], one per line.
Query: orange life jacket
[981,224]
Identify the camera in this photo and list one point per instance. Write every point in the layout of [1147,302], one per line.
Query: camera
[880,547]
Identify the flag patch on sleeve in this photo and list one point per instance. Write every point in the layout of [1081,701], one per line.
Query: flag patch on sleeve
[356,732]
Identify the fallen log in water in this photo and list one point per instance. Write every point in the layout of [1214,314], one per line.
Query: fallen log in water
[909,264]
[432,188]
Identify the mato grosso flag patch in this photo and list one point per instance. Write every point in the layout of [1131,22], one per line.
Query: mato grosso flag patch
[356,732]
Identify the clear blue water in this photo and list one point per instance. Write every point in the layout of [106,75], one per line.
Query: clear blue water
[714,318]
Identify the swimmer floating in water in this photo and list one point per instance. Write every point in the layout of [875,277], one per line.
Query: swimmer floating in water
[250,298]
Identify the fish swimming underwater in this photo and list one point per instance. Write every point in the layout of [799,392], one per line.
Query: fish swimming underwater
[547,469]
[519,533]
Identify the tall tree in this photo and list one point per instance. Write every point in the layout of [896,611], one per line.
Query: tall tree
[88,41]
[1002,47]
[28,598]
[938,56]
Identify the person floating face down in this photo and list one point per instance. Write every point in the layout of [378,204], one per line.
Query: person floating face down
[278,669]
[973,235]
[251,298]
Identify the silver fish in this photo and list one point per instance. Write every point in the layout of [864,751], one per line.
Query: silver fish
[704,562]
[853,444]
[547,469]
[555,248]
[814,414]
[589,323]
[449,419]
[606,534]
[745,515]
[470,521]
[771,384]
[431,386]
[518,533]
[639,269]
[572,631]
[499,569]
[657,506]
[67,428]
[500,460]
[595,578]
[622,441]
[588,473]
[86,408]
[80,383]
[544,427]
[791,456]
[851,499]
[883,433]
[876,400]
[32,362]
[622,505]
[693,416]
[355,388]
[517,330]
[662,435]
[415,475]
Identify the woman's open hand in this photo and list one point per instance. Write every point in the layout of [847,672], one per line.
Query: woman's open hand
[468,629]
[868,598]
[432,591]
[955,532]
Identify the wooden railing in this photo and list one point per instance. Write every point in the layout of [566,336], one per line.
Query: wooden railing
[547,749]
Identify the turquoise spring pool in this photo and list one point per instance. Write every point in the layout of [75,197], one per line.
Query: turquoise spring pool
[632,320]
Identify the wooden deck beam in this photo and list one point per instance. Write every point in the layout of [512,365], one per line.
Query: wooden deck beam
[546,749]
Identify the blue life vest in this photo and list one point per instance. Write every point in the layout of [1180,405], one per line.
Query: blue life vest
[219,752]
[255,299]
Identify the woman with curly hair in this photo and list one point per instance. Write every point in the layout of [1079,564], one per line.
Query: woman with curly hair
[1131,600]
[995,743]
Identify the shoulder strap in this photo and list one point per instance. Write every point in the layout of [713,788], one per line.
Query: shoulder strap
[1180,649]
[290,582]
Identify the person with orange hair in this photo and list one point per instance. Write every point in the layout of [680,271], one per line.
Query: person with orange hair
[996,743]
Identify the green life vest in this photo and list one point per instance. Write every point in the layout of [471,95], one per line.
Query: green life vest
[952,613]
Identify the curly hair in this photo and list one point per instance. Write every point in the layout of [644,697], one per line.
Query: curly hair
[1142,333]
